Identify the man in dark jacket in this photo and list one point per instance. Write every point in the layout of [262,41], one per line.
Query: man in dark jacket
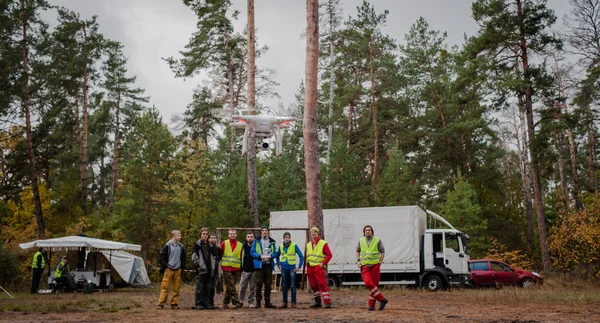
[216,258]
[202,257]
[172,261]
[37,268]
[247,271]
[263,252]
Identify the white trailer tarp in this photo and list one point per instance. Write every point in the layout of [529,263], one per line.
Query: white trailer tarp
[399,227]
[130,267]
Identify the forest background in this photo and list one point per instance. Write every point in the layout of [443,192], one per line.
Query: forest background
[497,134]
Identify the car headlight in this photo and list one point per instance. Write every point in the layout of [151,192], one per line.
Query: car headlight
[536,274]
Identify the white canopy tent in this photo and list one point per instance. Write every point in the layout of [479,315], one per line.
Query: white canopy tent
[101,256]
[80,242]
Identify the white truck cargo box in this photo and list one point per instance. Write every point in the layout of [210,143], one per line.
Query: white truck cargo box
[399,227]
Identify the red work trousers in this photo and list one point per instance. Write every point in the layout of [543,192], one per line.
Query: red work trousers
[370,275]
[318,283]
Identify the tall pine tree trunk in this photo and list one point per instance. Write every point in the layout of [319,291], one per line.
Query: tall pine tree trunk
[312,167]
[331,84]
[537,188]
[102,183]
[84,133]
[39,216]
[591,158]
[252,185]
[229,82]
[561,170]
[115,164]
[524,161]
[350,121]
[572,153]
[375,124]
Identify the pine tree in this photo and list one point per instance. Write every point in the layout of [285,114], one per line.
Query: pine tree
[76,49]
[251,156]
[583,38]
[396,184]
[25,14]
[512,32]
[148,154]
[124,99]
[462,210]
[198,116]
[311,140]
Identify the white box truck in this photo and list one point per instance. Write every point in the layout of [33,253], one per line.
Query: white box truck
[414,255]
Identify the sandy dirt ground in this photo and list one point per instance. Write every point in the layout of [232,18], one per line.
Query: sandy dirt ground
[349,305]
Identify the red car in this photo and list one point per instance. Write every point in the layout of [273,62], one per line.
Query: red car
[488,272]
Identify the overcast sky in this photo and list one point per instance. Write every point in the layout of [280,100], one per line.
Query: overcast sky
[151,29]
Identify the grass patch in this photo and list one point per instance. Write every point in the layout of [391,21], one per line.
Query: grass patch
[112,309]
[17,308]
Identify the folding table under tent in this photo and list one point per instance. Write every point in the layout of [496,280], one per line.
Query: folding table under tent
[102,262]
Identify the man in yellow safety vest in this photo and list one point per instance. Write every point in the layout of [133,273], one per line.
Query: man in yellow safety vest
[369,255]
[231,262]
[63,274]
[37,268]
[317,257]
[289,266]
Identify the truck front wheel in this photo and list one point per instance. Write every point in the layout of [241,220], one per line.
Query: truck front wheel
[433,283]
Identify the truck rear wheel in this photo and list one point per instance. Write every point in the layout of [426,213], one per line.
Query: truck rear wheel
[333,281]
[433,283]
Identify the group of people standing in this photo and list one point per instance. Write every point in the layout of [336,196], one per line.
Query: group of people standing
[251,264]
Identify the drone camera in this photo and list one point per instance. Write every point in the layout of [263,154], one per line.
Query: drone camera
[263,146]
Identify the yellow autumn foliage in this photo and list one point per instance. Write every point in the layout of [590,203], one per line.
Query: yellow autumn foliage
[21,225]
[573,242]
[515,258]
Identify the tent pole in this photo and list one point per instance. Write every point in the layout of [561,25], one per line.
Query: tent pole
[7,293]
[110,266]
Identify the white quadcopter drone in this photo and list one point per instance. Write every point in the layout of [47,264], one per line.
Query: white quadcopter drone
[263,127]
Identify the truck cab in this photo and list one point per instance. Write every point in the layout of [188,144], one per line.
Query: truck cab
[445,259]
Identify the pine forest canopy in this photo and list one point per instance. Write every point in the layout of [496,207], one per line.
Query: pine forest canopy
[497,133]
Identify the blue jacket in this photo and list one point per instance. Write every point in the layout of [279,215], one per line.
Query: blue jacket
[285,264]
[257,252]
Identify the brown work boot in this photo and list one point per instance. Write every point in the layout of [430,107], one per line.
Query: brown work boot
[293,305]
[284,305]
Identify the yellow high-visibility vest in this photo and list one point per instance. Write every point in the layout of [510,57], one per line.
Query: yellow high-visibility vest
[59,272]
[315,256]
[34,264]
[290,256]
[231,258]
[369,255]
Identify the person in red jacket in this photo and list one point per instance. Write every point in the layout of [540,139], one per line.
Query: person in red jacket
[318,255]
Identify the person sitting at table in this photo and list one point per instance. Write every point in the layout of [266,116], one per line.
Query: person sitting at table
[63,275]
